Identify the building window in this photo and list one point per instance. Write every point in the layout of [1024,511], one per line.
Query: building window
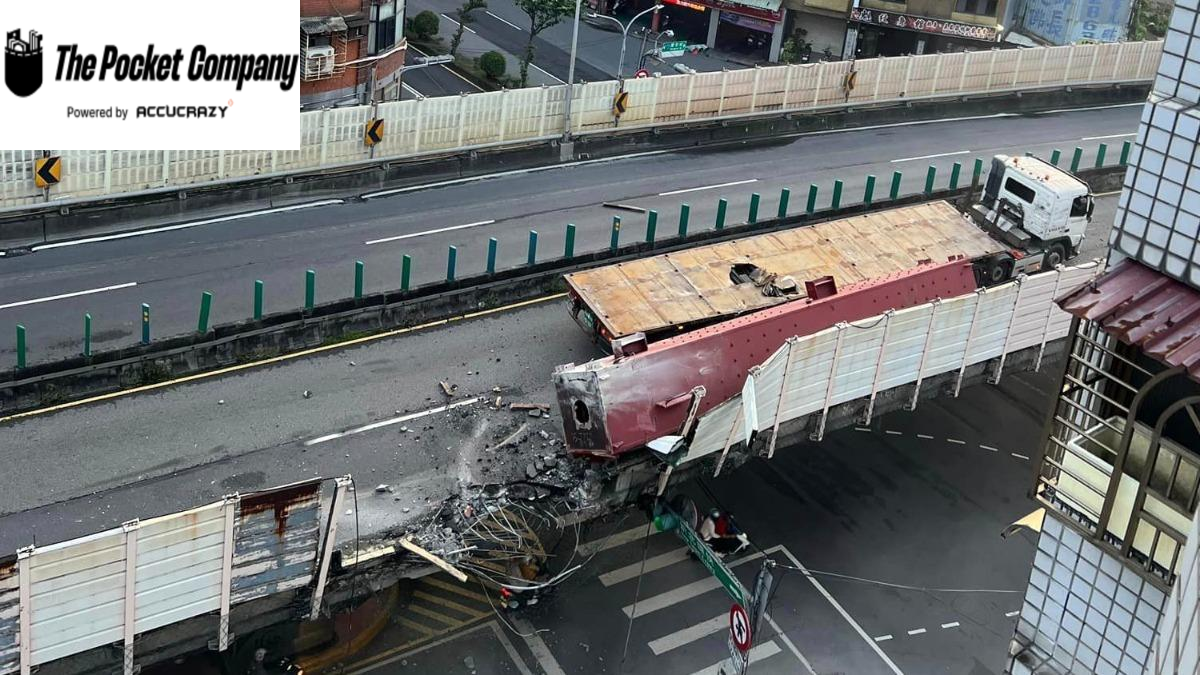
[979,7]
[385,26]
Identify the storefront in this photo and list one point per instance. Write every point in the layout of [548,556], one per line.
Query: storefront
[750,29]
[874,33]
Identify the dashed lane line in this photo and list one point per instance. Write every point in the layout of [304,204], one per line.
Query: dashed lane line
[956,441]
[916,631]
[883,638]
[1019,456]
[952,624]
[989,448]
[925,436]
[1012,614]
[893,433]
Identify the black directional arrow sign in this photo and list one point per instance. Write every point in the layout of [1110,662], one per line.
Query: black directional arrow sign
[620,103]
[374,132]
[47,171]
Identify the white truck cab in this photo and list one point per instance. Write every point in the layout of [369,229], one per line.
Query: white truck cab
[1037,208]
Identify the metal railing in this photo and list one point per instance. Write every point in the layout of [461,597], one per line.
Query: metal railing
[334,137]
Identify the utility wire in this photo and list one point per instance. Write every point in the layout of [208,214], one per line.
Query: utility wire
[637,593]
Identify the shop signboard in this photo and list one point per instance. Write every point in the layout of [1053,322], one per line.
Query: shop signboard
[1063,22]
[770,11]
[923,24]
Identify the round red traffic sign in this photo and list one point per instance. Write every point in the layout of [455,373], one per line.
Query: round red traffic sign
[739,628]
[642,72]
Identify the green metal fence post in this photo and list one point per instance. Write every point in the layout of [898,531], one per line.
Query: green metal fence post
[894,193]
[405,272]
[651,226]
[811,206]
[684,212]
[976,173]
[1055,156]
[722,205]
[21,345]
[569,248]
[837,195]
[205,308]
[753,218]
[258,299]
[451,262]
[930,177]
[310,289]
[954,171]
[87,334]
[1076,158]
[869,191]
[1100,152]
[784,195]
[145,324]
[531,257]
[491,259]
[360,269]
[614,236]
[1125,148]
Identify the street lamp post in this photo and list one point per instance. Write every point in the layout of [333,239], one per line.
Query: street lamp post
[570,83]
[624,36]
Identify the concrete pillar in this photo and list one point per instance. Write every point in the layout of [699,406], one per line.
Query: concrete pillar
[714,20]
[777,38]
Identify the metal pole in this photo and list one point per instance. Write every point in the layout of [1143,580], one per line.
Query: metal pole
[21,345]
[87,334]
[258,299]
[571,76]
[359,273]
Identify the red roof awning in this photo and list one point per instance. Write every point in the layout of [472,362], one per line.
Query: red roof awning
[1144,308]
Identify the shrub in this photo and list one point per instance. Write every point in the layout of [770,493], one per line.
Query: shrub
[493,65]
[425,25]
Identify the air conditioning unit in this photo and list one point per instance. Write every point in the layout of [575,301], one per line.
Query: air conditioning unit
[318,60]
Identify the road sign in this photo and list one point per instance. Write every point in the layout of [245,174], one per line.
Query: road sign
[374,132]
[714,564]
[620,103]
[642,72]
[739,628]
[47,171]
[680,46]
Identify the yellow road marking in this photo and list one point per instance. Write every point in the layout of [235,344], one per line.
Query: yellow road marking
[409,623]
[282,358]
[442,602]
[447,586]
[407,646]
[436,616]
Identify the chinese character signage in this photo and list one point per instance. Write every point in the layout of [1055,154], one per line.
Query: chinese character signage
[1063,22]
[923,24]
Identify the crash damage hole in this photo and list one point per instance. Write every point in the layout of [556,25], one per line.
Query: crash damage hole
[582,416]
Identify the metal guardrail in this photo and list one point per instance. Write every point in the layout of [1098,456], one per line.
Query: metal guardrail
[333,138]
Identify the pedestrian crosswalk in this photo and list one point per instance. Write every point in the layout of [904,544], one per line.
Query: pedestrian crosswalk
[682,614]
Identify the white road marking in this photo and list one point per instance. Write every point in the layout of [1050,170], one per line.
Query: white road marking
[1100,138]
[894,433]
[614,540]
[883,638]
[652,564]
[1011,614]
[988,447]
[925,436]
[1018,455]
[422,234]
[547,73]
[63,296]
[690,634]
[184,226]
[537,646]
[410,90]
[757,653]
[952,624]
[955,441]
[940,154]
[681,593]
[862,429]
[779,633]
[916,631]
[502,20]
[707,187]
[466,28]
[845,615]
[1107,194]
[389,422]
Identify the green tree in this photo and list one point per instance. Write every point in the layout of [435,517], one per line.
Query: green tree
[464,18]
[1150,20]
[493,65]
[542,15]
[425,25]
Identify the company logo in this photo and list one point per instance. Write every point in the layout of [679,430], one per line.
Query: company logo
[23,62]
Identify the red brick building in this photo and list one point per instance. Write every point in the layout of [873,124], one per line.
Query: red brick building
[339,43]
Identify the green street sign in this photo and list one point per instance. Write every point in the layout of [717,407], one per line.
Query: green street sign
[675,46]
[714,564]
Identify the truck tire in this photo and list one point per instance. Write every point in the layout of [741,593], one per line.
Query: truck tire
[998,271]
[1055,256]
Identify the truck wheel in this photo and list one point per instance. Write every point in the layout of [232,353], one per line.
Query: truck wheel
[1055,256]
[998,271]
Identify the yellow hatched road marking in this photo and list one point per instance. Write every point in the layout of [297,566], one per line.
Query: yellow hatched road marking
[426,630]
[436,616]
[443,602]
[447,586]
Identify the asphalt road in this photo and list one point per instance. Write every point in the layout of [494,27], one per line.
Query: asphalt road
[432,80]
[49,291]
[911,509]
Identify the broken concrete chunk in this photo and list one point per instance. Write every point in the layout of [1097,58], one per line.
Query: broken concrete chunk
[543,434]
[535,413]
[531,471]
[448,388]
[383,487]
